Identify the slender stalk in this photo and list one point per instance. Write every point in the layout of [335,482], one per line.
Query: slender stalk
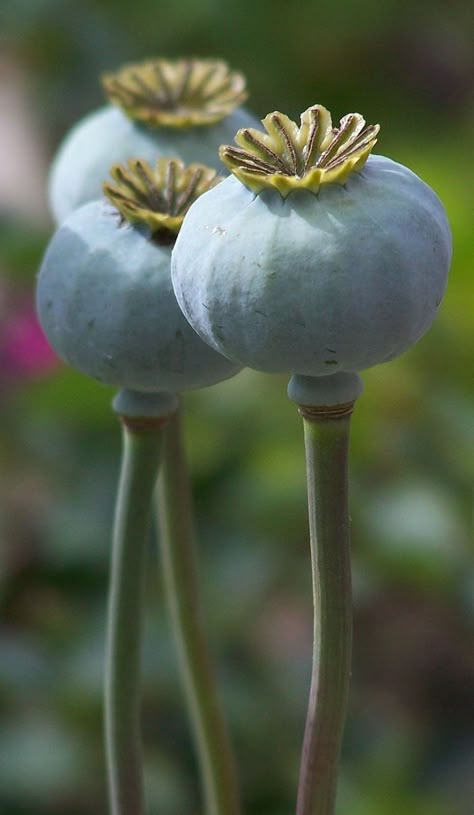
[140,460]
[326,443]
[181,587]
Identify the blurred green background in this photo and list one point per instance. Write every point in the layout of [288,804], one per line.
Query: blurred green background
[409,744]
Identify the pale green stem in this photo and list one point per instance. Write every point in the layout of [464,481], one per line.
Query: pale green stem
[327,442]
[181,587]
[140,461]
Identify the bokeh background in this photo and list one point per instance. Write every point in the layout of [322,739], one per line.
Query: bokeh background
[409,744]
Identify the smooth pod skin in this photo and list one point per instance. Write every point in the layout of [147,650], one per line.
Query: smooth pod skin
[106,305]
[314,284]
[108,137]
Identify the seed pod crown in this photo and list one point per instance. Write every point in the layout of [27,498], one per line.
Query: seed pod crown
[289,157]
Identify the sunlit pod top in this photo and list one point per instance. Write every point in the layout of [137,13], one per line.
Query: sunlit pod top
[289,157]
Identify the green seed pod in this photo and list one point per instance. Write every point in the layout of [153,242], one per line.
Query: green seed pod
[313,258]
[183,108]
[104,295]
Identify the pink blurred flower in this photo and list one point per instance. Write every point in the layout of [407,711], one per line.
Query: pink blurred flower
[24,350]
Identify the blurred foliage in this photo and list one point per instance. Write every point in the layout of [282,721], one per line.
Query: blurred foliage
[409,744]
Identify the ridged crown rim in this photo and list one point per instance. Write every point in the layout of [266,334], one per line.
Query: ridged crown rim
[289,157]
[178,93]
[160,196]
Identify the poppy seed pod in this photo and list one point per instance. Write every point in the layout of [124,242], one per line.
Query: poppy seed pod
[184,108]
[314,257]
[104,294]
